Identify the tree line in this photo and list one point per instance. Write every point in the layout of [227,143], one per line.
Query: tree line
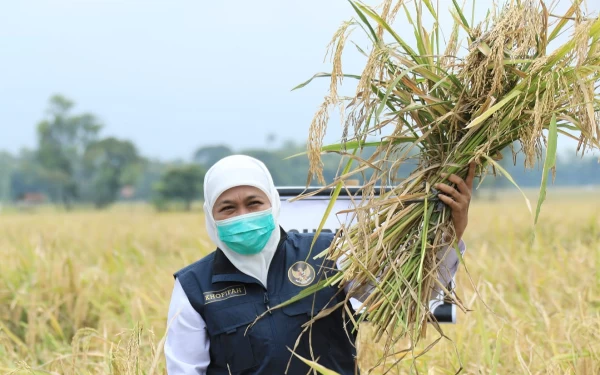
[73,163]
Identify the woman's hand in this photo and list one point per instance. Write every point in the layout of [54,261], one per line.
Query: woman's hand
[458,200]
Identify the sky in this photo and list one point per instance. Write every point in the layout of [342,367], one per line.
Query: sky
[173,76]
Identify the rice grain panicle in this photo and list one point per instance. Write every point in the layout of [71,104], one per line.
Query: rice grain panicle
[515,83]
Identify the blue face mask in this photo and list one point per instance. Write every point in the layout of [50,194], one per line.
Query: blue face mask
[247,234]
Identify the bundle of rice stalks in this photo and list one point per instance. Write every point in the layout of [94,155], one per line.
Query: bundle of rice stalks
[444,110]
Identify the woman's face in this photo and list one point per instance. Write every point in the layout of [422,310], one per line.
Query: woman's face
[240,200]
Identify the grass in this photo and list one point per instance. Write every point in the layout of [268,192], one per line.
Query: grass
[88,292]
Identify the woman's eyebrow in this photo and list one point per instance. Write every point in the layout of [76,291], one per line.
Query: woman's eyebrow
[250,197]
[226,201]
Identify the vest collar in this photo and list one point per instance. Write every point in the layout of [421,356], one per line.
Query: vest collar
[224,271]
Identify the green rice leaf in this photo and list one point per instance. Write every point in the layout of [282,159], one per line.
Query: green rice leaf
[352,145]
[323,75]
[333,199]
[408,17]
[364,19]
[392,86]
[425,231]
[549,163]
[465,24]
[484,48]
[485,115]
[509,177]
[563,21]
[382,23]
[568,47]
[431,8]
[310,290]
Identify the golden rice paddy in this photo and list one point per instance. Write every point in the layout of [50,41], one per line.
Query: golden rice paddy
[88,292]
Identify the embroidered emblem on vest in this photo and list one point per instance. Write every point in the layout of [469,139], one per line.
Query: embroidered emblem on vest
[301,274]
[223,294]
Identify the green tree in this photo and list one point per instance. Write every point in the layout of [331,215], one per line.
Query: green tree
[63,138]
[27,176]
[7,164]
[209,155]
[182,183]
[150,175]
[111,164]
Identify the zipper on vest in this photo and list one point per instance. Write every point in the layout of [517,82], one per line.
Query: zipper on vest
[267,303]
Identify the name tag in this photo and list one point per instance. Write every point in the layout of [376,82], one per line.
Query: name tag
[223,294]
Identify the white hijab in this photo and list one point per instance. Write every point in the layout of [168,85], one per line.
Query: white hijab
[242,170]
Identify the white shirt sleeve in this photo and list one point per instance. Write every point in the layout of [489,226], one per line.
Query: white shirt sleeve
[447,270]
[187,344]
[448,264]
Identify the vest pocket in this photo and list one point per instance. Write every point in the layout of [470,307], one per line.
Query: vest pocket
[300,313]
[230,345]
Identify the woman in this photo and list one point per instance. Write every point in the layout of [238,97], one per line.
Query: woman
[257,264]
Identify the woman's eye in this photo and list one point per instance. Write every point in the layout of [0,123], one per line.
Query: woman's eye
[255,203]
[226,208]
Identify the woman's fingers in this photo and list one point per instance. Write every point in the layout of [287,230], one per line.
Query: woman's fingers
[460,184]
[458,199]
[454,205]
[461,195]
[449,191]
[464,188]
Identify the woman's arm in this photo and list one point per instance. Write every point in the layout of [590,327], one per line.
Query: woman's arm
[449,263]
[447,270]
[187,345]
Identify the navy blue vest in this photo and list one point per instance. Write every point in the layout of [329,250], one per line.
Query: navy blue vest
[230,301]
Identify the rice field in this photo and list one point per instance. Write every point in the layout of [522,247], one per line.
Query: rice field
[88,292]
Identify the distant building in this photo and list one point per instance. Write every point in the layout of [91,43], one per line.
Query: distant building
[27,201]
[127,192]
[32,198]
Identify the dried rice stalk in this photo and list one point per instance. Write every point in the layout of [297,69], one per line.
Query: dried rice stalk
[452,111]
